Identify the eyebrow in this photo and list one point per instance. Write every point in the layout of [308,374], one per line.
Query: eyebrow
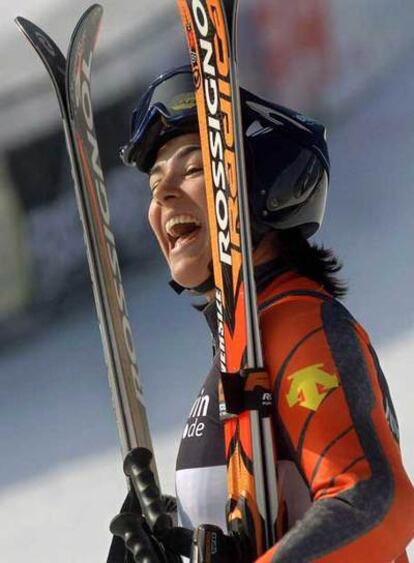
[182,153]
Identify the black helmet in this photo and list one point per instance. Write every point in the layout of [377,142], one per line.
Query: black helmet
[287,157]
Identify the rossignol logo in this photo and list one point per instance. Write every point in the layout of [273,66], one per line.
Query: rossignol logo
[218,110]
[95,181]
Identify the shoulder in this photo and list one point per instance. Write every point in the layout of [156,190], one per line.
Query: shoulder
[300,319]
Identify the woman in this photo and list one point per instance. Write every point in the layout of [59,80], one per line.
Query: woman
[344,494]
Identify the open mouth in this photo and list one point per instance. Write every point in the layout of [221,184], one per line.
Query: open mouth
[181,229]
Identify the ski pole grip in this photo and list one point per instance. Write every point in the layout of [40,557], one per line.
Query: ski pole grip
[137,467]
[127,526]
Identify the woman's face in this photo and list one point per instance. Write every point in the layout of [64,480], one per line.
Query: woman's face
[178,210]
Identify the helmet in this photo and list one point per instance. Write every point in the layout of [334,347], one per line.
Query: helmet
[287,159]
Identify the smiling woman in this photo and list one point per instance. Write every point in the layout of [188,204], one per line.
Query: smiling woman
[178,210]
[344,494]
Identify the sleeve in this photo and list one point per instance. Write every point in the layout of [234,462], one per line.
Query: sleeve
[334,411]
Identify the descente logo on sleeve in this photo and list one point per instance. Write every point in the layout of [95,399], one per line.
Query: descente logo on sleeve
[309,387]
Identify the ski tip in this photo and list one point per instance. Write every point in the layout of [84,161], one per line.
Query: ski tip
[22,21]
[94,12]
[19,21]
[98,8]
[23,24]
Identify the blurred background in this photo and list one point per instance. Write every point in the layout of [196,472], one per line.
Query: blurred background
[348,63]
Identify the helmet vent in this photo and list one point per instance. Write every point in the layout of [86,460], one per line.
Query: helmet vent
[256,128]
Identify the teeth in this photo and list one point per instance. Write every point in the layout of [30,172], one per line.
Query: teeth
[180,220]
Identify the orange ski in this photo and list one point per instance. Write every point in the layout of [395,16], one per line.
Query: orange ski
[210,28]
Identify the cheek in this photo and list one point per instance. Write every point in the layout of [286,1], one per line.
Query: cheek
[154,219]
[151,218]
[200,197]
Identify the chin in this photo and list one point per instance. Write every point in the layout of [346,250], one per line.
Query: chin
[189,281]
[190,271]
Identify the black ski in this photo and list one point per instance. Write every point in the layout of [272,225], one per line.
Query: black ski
[72,83]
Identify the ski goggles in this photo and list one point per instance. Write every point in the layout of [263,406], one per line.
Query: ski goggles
[167,109]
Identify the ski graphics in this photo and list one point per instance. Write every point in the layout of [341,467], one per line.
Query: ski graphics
[72,83]
[211,32]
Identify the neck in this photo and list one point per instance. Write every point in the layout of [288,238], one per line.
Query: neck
[267,250]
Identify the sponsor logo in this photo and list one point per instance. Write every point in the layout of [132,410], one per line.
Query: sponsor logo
[195,427]
[277,118]
[208,42]
[220,329]
[217,93]
[267,399]
[183,102]
[309,387]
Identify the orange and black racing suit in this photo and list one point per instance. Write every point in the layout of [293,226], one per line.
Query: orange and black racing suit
[344,494]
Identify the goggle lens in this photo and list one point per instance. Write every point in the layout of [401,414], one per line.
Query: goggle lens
[172,95]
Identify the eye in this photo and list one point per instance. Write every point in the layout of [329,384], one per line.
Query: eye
[193,169]
[153,186]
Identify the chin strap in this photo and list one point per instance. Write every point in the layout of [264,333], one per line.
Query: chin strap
[207,285]
[176,287]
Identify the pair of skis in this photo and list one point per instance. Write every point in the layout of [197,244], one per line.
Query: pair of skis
[211,29]
[71,79]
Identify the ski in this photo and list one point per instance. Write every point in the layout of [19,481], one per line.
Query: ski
[72,82]
[210,27]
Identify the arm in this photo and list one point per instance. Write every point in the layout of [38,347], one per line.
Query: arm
[329,398]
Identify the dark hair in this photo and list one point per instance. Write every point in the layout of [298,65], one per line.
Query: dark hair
[312,260]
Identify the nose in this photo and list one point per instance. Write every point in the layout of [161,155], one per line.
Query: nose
[167,188]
